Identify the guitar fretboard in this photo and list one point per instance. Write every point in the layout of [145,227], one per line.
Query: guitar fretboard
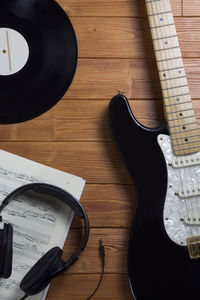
[177,100]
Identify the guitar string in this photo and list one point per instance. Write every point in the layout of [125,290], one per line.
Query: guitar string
[153,12]
[191,200]
[184,198]
[195,179]
[186,202]
[174,123]
[195,198]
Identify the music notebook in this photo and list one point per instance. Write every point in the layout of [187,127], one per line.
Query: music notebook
[39,223]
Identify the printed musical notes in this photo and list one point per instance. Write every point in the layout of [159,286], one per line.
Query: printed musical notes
[39,222]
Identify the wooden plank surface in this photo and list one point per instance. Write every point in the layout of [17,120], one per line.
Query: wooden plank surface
[191,8]
[120,37]
[90,262]
[127,8]
[79,286]
[138,78]
[115,53]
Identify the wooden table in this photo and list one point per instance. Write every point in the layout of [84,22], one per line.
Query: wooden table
[115,53]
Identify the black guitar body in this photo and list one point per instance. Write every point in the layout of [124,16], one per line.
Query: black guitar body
[158,268]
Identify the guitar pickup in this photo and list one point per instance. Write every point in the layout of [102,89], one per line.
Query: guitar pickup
[192,220]
[185,193]
[193,244]
[186,161]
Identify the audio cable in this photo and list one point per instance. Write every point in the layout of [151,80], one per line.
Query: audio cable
[102,256]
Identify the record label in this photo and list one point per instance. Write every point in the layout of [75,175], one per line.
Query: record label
[14,51]
[38,58]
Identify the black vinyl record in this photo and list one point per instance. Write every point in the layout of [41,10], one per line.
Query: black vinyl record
[40,30]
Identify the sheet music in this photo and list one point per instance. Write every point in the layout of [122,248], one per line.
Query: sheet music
[40,222]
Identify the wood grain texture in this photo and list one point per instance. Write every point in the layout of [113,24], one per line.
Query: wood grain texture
[102,78]
[93,125]
[127,8]
[80,286]
[109,205]
[97,162]
[115,53]
[191,8]
[90,262]
[118,37]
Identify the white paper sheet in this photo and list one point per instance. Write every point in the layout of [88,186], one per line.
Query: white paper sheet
[40,222]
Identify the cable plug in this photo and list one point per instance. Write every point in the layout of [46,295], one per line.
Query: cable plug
[102,251]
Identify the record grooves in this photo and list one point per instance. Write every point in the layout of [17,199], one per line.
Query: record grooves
[38,58]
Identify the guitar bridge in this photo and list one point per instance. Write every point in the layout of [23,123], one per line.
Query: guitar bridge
[193,244]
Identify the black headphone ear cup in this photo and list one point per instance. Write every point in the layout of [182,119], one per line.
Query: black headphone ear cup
[8,259]
[6,251]
[40,274]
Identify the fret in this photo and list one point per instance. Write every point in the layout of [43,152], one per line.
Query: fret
[162,32]
[183,131]
[186,148]
[187,151]
[168,59]
[183,124]
[160,13]
[170,74]
[185,137]
[179,110]
[175,87]
[158,6]
[166,43]
[173,78]
[177,82]
[176,91]
[161,22]
[179,130]
[165,37]
[181,118]
[150,1]
[173,104]
[186,143]
[177,96]
[171,69]
[165,49]
[161,26]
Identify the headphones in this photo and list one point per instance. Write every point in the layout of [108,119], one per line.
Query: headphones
[51,264]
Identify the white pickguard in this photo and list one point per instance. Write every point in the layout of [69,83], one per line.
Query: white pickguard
[178,210]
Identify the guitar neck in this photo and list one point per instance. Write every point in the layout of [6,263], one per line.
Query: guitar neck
[178,106]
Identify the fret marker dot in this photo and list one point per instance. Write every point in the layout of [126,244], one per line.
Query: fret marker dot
[161,19]
[166,43]
[180,72]
[3,51]
[164,75]
[180,114]
[177,99]
[183,127]
[186,140]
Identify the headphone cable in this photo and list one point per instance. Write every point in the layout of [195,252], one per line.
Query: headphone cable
[102,255]
[25,296]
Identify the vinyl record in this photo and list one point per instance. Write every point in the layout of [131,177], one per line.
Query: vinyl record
[38,57]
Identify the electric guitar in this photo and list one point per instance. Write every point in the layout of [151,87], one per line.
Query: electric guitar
[164,246]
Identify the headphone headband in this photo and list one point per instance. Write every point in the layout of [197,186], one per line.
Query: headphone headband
[67,198]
